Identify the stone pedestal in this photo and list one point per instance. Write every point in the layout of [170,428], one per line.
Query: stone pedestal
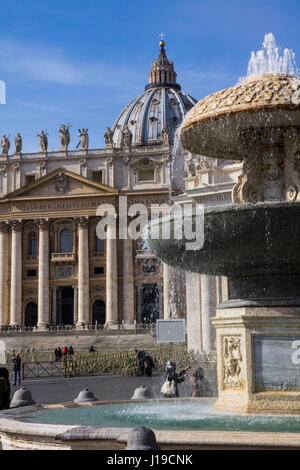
[258,358]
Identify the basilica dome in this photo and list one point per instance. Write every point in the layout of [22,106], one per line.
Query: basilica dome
[159,111]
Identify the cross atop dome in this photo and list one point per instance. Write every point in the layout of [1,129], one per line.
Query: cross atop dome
[162,70]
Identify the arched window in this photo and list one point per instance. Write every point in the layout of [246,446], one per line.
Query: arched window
[32,244]
[66,242]
[99,244]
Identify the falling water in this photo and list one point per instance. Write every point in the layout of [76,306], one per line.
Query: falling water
[272,59]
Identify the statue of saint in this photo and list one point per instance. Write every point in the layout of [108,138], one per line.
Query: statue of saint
[5,144]
[127,137]
[18,143]
[165,133]
[84,139]
[108,136]
[64,136]
[43,141]
[189,165]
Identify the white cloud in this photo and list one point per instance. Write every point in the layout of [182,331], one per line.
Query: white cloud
[47,64]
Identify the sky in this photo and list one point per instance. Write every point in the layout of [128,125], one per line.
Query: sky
[82,62]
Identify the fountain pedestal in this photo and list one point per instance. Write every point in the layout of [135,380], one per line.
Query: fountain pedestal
[257,359]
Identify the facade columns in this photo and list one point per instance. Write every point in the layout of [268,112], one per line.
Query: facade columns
[75,304]
[54,305]
[111,277]
[44,294]
[166,290]
[208,310]
[16,274]
[128,282]
[83,272]
[4,294]
[193,312]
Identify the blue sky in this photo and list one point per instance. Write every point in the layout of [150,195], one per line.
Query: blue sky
[83,61]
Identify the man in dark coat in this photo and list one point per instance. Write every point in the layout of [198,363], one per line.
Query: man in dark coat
[17,368]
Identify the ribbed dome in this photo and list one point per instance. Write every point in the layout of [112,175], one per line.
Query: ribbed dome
[162,105]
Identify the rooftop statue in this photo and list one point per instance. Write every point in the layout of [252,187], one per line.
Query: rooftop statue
[127,137]
[108,137]
[165,133]
[43,141]
[84,139]
[64,136]
[5,144]
[18,143]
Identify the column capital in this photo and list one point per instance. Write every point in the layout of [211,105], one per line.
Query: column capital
[16,225]
[82,222]
[43,224]
[4,226]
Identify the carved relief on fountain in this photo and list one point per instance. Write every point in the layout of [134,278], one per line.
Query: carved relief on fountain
[232,362]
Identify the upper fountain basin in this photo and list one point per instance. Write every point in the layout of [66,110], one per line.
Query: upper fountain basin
[240,239]
[214,126]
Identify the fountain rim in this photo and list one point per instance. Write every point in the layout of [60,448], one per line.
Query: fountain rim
[215,115]
[218,209]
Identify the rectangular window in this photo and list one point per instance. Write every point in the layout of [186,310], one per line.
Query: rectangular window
[99,248]
[31,272]
[98,176]
[98,270]
[32,247]
[149,268]
[29,179]
[146,175]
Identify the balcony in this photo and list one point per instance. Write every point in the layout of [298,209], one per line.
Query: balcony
[63,257]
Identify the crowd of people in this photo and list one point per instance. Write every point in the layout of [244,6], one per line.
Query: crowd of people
[145,362]
[59,353]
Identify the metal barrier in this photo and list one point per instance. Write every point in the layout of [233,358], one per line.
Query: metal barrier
[122,363]
[32,370]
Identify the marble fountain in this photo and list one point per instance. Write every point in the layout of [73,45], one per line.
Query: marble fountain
[255,242]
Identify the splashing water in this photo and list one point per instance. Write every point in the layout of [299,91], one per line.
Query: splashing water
[272,59]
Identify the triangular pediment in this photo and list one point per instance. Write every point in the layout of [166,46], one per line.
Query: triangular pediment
[61,183]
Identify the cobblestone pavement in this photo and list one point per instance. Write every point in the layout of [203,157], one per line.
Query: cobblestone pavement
[59,390]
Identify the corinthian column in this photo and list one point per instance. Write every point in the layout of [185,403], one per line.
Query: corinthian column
[111,278]
[4,315]
[128,282]
[43,296]
[208,310]
[83,271]
[16,274]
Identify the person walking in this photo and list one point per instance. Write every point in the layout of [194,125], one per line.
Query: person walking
[65,351]
[148,365]
[17,368]
[71,351]
[4,389]
[140,355]
[199,384]
[56,355]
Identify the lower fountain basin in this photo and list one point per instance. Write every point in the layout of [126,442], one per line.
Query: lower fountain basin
[179,424]
[167,414]
[257,246]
